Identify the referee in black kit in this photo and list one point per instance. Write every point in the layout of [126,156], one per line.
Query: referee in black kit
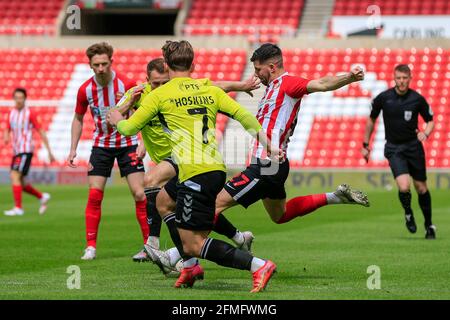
[401,107]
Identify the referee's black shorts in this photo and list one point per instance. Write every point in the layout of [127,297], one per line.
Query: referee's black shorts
[407,158]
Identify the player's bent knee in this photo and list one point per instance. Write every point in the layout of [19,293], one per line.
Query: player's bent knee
[139,195]
[150,181]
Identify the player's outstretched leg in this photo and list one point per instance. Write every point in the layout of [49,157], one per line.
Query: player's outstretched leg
[300,206]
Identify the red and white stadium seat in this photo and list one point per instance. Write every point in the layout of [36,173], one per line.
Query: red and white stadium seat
[391,7]
[29,17]
[331,125]
[260,20]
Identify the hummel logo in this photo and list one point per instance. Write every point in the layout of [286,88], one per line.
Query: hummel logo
[187,210]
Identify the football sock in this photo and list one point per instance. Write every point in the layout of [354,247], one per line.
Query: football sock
[153,218]
[257,264]
[425,205]
[300,206]
[223,226]
[190,262]
[17,194]
[141,215]
[34,192]
[332,198]
[405,200]
[225,254]
[174,235]
[93,214]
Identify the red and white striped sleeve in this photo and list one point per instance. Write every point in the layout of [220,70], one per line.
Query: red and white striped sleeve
[82,101]
[295,87]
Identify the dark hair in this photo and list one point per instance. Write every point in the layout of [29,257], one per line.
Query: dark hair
[403,68]
[20,90]
[178,55]
[100,48]
[268,51]
[156,64]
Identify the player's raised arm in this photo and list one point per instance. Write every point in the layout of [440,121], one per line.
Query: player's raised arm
[247,86]
[131,126]
[330,83]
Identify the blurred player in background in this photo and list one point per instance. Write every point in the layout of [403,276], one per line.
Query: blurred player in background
[22,122]
[401,107]
[100,93]
[166,171]
[183,105]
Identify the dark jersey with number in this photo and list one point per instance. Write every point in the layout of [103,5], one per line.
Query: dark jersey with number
[400,114]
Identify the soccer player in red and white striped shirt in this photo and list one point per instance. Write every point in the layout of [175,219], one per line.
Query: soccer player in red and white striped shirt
[277,113]
[100,93]
[22,122]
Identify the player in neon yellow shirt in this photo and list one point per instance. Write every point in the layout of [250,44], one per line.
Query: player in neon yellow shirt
[157,144]
[187,110]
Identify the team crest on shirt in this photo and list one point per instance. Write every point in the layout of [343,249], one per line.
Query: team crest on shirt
[408,115]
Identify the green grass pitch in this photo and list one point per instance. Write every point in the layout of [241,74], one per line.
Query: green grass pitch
[324,255]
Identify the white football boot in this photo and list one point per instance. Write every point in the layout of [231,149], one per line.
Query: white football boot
[141,256]
[248,240]
[351,196]
[162,260]
[14,212]
[90,253]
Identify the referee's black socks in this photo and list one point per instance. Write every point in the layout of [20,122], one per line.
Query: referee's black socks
[405,199]
[153,218]
[425,205]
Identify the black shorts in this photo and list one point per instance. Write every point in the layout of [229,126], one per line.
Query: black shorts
[174,165]
[407,158]
[101,161]
[256,182]
[171,188]
[171,185]
[21,162]
[196,201]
